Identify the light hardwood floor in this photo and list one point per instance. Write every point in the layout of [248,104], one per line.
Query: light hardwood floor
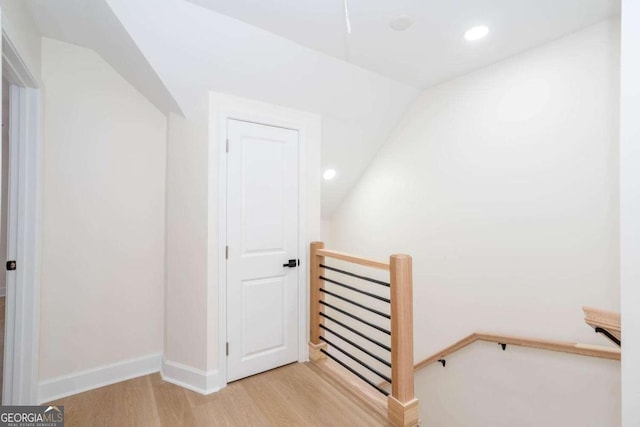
[294,395]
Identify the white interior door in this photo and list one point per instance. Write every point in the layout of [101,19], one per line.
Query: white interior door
[262,238]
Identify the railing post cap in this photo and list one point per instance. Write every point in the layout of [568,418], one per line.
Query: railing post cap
[400,256]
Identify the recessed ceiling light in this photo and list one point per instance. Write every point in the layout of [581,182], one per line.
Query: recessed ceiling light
[401,22]
[476,33]
[329,174]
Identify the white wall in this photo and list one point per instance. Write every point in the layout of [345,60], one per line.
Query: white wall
[503,185]
[187,234]
[630,211]
[104,216]
[290,76]
[485,386]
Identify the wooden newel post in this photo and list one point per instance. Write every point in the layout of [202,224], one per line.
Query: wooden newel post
[402,405]
[315,332]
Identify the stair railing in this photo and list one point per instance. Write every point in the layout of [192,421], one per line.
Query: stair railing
[340,319]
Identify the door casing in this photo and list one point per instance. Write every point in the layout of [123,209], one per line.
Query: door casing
[25,186]
[222,108]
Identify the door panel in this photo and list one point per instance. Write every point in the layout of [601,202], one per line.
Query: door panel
[262,235]
[264,304]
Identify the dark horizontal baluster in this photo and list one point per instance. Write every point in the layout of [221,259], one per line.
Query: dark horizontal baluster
[379,313]
[368,279]
[356,373]
[362,349]
[369,294]
[346,313]
[355,359]
[357,333]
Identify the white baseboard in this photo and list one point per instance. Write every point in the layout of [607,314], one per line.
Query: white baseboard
[90,379]
[190,378]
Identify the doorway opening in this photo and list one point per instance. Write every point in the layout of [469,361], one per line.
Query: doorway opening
[21,176]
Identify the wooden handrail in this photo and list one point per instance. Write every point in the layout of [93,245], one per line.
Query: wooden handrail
[353,259]
[542,344]
[608,320]
[401,405]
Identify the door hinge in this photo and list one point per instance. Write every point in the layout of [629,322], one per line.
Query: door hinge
[227,349]
[227,145]
[226,252]
[11,265]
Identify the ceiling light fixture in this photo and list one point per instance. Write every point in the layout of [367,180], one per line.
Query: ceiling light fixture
[476,33]
[401,22]
[329,174]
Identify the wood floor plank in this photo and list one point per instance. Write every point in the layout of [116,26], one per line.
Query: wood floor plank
[128,403]
[172,404]
[136,402]
[276,406]
[328,405]
[232,407]
[294,395]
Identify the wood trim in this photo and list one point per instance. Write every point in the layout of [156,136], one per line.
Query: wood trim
[608,320]
[354,259]
[459,345]
[542,344]
[196,380]
[403,414]
[16,70]
[315,295]
[402,328]
[315,353]
[91,379]
[353,386]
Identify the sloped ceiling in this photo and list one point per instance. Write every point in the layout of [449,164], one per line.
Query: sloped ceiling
[433,49]
[195,50]
[92,24]
[292,53]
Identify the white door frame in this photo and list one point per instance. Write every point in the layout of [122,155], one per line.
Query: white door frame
[25,186]
[308,125]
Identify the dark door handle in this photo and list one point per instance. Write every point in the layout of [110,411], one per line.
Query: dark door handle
[292,263]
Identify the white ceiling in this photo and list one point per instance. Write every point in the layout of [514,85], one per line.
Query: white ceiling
[284,52]
[433,49]
[92,24]
[174,52]
[195,50]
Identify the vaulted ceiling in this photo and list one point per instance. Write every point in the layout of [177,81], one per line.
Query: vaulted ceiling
[297,53]
[432,49]
[92,24]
